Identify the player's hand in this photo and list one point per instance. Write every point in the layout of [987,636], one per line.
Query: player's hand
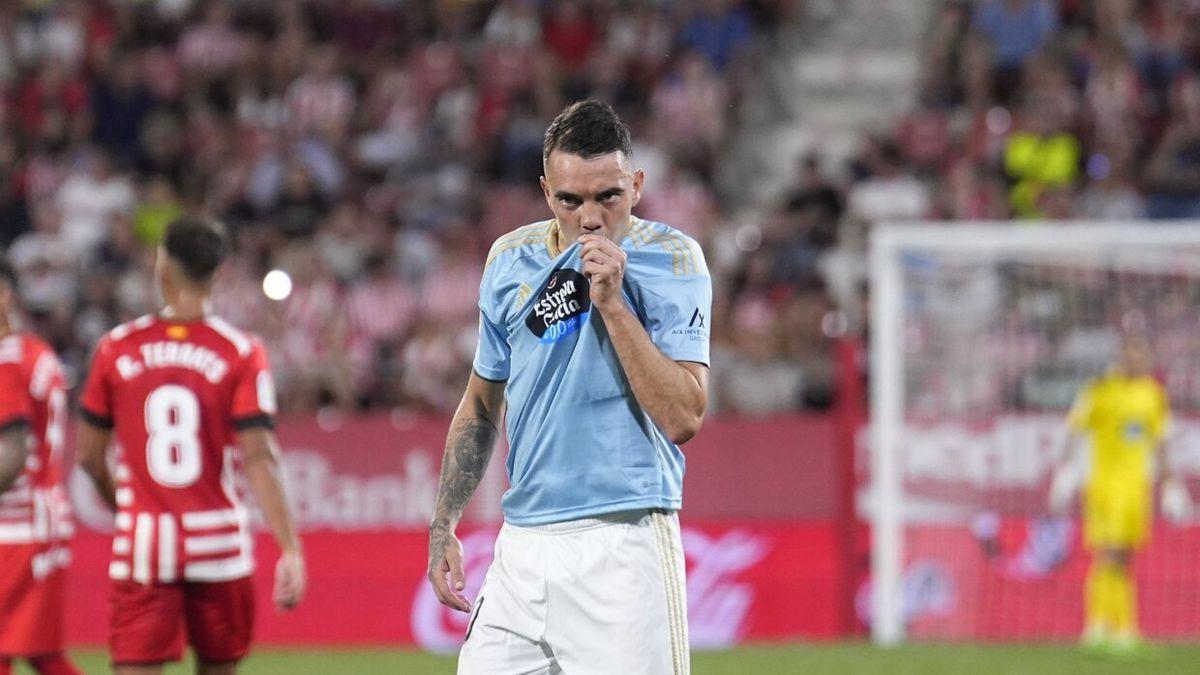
[446,570]
[604,266]
[1176,504]
[291,580]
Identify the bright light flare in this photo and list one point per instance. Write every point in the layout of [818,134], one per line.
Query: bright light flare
[277,285]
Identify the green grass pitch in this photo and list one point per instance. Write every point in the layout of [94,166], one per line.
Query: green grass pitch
[816,659]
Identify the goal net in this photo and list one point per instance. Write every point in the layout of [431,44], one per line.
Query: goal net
[981,335]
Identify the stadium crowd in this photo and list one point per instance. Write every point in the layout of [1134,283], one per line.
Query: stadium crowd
[373,149]
[1034,109]
[1023,109]
[1070,109]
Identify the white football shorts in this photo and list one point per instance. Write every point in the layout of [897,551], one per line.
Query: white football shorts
[599,595]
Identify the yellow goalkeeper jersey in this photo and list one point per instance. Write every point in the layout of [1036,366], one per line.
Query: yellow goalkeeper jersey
[1124,418]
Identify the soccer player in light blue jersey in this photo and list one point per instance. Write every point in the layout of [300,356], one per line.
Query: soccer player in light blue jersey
[594,331]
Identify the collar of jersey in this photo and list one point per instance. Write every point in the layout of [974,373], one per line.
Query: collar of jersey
[553,248]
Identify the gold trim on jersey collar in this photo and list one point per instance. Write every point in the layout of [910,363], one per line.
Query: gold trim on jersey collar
[552,246]
[555,249]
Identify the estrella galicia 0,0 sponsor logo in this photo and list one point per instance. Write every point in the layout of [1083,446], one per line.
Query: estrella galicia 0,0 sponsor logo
[561,308]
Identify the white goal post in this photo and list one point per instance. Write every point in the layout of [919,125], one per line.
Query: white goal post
[1072,255]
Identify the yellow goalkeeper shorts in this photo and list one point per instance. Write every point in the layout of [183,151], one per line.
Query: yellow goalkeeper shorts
[1117,515]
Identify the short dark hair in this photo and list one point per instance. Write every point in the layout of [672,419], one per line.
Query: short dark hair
[589,129]
[8,274]
[198,245]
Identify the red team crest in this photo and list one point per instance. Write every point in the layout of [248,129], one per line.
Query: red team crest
[175,394]
[35,519]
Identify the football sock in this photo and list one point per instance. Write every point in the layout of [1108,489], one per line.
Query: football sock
[53,664]
[1096,598]
[1123,601]
[5,666]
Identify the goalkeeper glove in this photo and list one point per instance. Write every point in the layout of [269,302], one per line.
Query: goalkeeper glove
[1062,489]
[1176,504]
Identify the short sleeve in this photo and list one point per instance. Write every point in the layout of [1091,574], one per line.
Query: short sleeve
[254,399]
[15,408]
[96,402]
[678,316]
[493,352]
[1080,416]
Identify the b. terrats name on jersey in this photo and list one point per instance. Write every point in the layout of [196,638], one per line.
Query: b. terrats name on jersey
[174,355]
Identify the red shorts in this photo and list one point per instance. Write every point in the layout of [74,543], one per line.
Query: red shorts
[148,623]
[31,598]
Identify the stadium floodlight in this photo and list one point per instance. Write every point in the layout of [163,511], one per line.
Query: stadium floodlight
[277,285]
[981,335]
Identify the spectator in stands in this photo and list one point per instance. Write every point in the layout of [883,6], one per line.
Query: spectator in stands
[1113,98]
[514,22]
[382,309]
[313,334]
[815,189]
[46,261]
[159,206]
[92,193]
[1008,33]
[51,105]
[366,148]
[751,375]
[1043,154]
[718,29]
[1111,193]
[60,36]
[570,34]
[121,101]
[944,53]
[890,191]
[213,47]
[1172,174]
[971,192]
[14,211]
[688,109]
[364,31]
[802,321]
[321,101]
[681,197]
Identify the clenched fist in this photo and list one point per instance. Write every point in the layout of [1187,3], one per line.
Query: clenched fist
[604,266]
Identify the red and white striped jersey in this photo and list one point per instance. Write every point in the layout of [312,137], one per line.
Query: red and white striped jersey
[319,103]
[210,48]
[35,509]
[174,394]
[450,292]
[380,309]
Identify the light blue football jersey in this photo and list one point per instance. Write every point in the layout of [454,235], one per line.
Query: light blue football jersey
[579,443]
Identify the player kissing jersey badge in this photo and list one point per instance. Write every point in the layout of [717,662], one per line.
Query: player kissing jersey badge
[561,308]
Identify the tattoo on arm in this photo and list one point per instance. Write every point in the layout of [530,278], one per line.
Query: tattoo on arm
[468,450]
[13,450]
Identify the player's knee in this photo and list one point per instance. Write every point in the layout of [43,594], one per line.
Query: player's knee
[1116,557]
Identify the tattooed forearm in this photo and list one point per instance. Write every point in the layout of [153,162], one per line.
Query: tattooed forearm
[14,446]
[468,450]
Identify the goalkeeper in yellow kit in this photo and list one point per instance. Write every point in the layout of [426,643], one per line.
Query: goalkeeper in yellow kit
[1125,416]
